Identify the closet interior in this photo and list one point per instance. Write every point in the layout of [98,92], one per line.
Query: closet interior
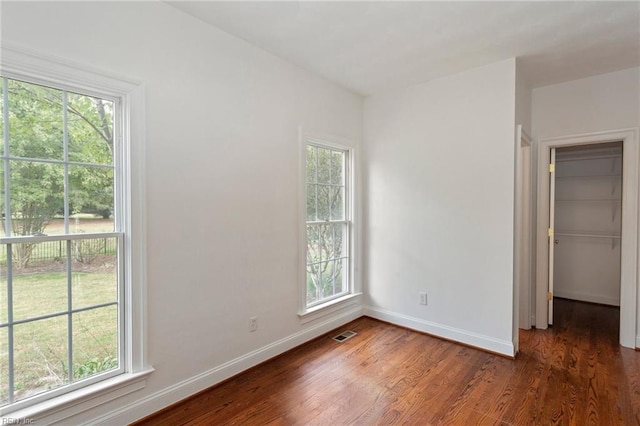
[588,202]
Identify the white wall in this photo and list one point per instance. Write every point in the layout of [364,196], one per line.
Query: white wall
[222,155]
[523,100]
[603,102]
[440,186]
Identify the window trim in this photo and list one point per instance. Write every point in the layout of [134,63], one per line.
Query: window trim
[34,67]
[353,295]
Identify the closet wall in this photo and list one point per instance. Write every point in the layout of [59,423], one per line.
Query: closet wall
[588,216]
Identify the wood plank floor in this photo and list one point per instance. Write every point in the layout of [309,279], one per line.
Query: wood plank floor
[574,373]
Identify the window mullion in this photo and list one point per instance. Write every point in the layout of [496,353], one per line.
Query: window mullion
[325,222]
[53,161]
[124,344]
[328,189]
[65,141]
[10,321]
[333,269]
[7,172]
[320,245]
[346,255]
[346,176]
[69,314]
[315,181]
[119,168]
[330,161]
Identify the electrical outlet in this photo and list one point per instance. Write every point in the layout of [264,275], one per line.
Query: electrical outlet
[423,297]
[253,323]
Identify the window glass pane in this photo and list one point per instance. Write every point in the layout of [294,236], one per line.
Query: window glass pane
[41,356]
[321,241]
[95,341]
[341,275]
[339,240]
[337,167]
[94,271]
[90,129]
[4,365]
[4,317]
[327,241]
[313,243]
[324,280]
[39,278]
[337,202]
[2,198]
[90,199]
[35,121]
[324,165]
[311,202]
[1,116]
[328,278]
[313,283]
[311,163]
[323,202]
[37,197]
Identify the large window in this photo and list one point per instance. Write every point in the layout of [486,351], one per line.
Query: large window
[328,223]
[61,241]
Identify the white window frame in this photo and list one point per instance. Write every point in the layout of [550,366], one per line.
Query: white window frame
[34,67]
[353,294]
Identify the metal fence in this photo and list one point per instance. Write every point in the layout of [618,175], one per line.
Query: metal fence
[83,250]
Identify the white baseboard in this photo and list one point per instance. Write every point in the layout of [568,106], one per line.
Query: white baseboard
[491,344]
[637,342]
[159,400]
[586,297]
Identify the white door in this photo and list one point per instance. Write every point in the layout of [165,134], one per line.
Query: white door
[552,207]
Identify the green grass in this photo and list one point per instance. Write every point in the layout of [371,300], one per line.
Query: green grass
[40,347]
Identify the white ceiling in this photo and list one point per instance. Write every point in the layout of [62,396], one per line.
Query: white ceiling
[370,47]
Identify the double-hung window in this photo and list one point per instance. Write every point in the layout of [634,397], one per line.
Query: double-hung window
[68,304]
[61,240]
[328,223]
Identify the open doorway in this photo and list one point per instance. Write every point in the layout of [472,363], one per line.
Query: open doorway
[589,145]
[587,225]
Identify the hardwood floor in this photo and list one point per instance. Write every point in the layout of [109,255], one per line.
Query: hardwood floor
[574,373]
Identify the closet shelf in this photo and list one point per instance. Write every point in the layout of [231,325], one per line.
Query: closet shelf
[565,159]
[587,235]
[590,200]
[588,176]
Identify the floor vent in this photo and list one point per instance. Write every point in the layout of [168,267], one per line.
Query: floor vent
[344,336]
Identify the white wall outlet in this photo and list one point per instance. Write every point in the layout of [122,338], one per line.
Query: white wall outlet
[423,297]
[253,323]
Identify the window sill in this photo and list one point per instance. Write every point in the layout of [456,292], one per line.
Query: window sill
[328,308]
[67,405]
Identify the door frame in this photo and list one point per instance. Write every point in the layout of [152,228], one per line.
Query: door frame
[523,233]
[629,241]
[550,241]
